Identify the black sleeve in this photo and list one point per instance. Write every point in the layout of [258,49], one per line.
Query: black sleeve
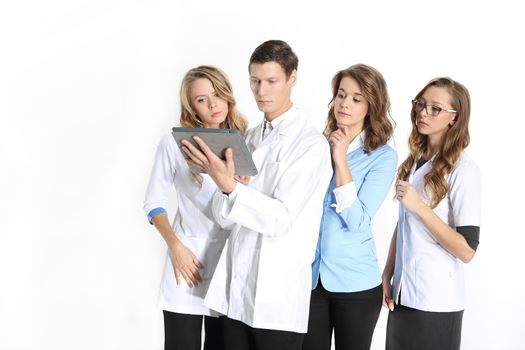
[471,234]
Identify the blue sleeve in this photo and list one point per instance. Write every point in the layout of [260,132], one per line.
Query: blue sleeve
[154,212]
[372,191]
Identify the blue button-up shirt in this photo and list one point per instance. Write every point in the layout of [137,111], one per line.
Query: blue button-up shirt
[346,255]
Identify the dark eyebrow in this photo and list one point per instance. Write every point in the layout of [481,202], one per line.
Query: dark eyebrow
[205,95]
[436,103]
[431,102]
[355,93]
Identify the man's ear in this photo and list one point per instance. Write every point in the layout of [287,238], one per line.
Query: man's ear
[293,77]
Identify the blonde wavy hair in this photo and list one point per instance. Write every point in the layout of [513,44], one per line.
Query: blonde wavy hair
[379,126]
[455,140]
[221,84]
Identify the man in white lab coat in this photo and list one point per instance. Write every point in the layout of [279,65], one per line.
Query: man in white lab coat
[263,280]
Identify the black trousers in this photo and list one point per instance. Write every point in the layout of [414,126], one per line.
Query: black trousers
[239,336]
[351,316]
[183,332]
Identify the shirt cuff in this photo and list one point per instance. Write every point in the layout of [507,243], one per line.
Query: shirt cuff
[154,212]
[345,196]
[230,200]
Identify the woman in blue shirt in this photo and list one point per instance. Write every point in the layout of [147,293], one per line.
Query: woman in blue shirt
[346,282]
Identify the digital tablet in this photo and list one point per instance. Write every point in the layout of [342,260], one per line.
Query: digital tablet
[219,140]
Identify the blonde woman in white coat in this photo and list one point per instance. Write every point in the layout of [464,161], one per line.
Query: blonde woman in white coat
[194,240]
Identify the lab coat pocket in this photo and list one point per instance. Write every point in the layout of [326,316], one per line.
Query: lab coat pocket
[284,271]
[436,284]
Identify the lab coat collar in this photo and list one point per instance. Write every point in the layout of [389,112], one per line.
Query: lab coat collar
[428,163]
[282,125]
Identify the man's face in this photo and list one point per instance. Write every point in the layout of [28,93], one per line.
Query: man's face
[271,89]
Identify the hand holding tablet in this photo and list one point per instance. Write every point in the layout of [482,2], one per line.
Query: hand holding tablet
[218,140]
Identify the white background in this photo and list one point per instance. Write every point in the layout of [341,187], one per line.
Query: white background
[88,88]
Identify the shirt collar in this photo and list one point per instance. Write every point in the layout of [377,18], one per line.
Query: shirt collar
[357,142]
[280,119]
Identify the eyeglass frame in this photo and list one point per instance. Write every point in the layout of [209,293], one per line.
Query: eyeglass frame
[439,109]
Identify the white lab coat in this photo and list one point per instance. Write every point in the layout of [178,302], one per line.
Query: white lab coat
[264,275]
[428,276]
[193,224]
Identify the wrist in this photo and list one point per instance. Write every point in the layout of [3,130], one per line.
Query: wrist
[174,243]
[339,157]
[340,163]
[421,209]
[228,187]
[386,278]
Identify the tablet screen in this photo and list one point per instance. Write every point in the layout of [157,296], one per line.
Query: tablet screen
[219,140]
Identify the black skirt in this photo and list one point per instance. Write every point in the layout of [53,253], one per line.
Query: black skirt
[409,329]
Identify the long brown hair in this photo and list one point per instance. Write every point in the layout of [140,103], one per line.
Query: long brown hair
[222,86]
[454,141]
[379,126]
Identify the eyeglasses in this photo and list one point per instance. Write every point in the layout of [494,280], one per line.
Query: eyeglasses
[431,110]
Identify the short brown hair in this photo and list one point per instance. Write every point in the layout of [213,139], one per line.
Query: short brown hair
[276,51]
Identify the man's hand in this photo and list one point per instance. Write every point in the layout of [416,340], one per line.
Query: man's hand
[221,171]
[245,180]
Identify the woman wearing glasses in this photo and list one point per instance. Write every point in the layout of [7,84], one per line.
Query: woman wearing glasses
[438,188]
[347,293]
[195,241]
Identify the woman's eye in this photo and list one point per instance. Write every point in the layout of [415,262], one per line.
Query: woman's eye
[356,100]
[436,109]
[201,100]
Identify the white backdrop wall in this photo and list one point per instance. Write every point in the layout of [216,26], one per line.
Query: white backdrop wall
[88,88]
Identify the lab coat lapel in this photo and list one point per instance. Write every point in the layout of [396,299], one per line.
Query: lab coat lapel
[417,178]
[271,142]
[260,147]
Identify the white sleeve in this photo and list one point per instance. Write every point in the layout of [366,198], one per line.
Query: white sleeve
[304,180]
[465,194]
[161,178]
[222,205]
